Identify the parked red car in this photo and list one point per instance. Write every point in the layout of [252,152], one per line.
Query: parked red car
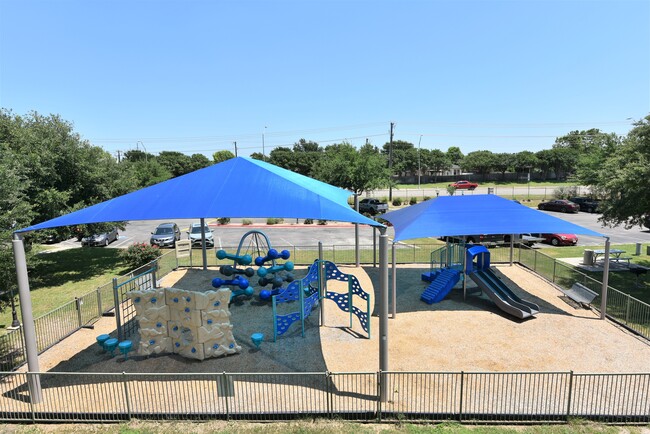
[558,239]
[464,184]
[559,205]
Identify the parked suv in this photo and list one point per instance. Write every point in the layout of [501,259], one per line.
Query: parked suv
[165,235]
[194,235]
[586,204]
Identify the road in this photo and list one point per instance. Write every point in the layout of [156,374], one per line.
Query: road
[518,191]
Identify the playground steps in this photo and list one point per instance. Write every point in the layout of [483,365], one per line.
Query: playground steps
[430,276]
[441,286]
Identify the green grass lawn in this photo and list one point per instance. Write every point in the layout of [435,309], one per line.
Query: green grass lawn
[57,277]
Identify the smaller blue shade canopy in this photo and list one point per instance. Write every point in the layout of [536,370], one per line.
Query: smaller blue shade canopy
[485,214]
[236,188]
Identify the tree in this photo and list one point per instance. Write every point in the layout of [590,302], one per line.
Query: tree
[221,156]
[199,161]
[454,155]
[434,160]
[175,162]
[503,162]
[480,162]
[623,178]
[405,157]
[524,162]
[15,212]
[259,156]
[64,170]
[356,170]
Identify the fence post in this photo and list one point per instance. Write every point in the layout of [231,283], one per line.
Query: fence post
[462,386]
[535,262]
[224,380]
[154,279]
[99,303]
[328,392]
[627,311]
[379,387]
[127,400]
[77,304]
[31,395]
[118,310]
[554,266]
[568,406]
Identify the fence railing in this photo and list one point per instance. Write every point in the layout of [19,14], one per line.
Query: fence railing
[56,325]
[61,322]
[413,396]
[621,307]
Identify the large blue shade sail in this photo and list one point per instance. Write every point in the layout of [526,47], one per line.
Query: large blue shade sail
[236,188]
[475,215]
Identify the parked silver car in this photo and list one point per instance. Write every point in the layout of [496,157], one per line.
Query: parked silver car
[194,235]
[165,235]
[103,239]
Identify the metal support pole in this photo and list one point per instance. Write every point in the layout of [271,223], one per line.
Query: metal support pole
[374,247]
[29,329]
[603,294]
[383,312]
[118,310]
[357,256]
[321,283]
[512,247]
[394,284]
[205,254]
[77,303]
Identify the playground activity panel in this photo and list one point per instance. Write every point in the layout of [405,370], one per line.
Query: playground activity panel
[196,324]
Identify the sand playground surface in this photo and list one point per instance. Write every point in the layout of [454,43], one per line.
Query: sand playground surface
[455,335]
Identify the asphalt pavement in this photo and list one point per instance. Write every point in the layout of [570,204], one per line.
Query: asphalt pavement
[296,233]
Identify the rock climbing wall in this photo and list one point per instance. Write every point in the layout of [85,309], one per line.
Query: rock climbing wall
[192,324]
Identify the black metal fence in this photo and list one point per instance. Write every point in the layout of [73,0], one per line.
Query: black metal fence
[470,397]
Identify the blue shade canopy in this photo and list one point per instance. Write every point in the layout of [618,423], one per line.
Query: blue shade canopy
[485,214]
[236,188]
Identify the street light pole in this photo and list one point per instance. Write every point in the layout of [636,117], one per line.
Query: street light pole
[263,152]
[419,167]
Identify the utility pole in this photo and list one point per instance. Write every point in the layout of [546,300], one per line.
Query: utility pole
[419,166]
[390,163]
[235,142]
[119,156]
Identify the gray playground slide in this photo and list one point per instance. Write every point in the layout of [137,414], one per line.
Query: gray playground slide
[502,296]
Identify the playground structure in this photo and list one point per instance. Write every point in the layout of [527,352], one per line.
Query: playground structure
[311,289]
[192,324]
[259,244]
[457,262]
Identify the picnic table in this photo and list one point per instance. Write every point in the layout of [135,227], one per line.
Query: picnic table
[614,255]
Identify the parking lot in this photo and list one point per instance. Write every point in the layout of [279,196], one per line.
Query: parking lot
[292,233]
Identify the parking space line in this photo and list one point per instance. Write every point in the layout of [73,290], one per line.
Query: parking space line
[121,242]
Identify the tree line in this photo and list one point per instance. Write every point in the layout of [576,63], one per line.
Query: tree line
[47,170]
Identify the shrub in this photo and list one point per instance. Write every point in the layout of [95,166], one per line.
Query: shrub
[322,222]
[139,254]
[247,222]
[413,201]
[309,221]
[397,201]
[426,198]
[223,220]
[274,221]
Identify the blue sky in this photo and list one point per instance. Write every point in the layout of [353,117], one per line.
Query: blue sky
[195,76]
